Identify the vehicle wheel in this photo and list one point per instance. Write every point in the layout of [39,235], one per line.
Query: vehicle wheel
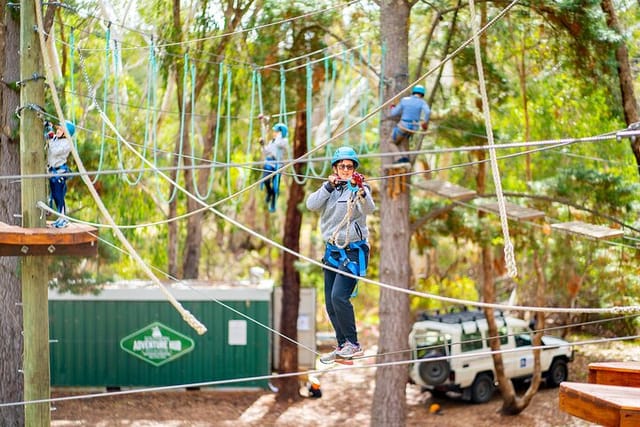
[434,372]
[482,388]
[558,372]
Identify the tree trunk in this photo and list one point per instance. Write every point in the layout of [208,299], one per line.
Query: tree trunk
[193,243]
[389,399]
[625,76]
[289,387]
[172,230]
[10,204]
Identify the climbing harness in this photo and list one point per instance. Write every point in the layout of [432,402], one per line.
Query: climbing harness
[336,253]
[355,198]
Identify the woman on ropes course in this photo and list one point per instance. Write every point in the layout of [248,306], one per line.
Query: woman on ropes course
[410,110]
[273,153]
[344,201]
[58,149]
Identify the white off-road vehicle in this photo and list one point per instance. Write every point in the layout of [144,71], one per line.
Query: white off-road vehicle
[454,354]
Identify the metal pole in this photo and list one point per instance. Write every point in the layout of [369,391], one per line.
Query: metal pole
[34,268]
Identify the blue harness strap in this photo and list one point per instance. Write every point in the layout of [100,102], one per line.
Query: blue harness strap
[356,268]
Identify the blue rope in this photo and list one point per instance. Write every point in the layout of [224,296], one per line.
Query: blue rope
[192,141]
[228,123]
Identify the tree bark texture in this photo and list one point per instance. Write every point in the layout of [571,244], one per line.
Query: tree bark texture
[289,388]
[389,399]
[10,205]
[629,102]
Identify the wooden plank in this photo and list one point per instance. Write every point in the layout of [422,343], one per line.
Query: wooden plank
[73,240]
[590,230]
[626,374]
[82,249]
[515,212]
[601,404]
[446,189]
[70,235]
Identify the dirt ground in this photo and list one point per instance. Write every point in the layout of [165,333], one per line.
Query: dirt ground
[346,400]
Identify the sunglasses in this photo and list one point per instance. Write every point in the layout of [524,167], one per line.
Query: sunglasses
[345,167]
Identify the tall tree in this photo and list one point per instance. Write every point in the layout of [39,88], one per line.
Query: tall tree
[625,76]
[389,400]
[290,276]
[10,292]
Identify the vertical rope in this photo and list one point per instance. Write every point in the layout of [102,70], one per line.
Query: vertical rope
[228,125]
[260,103]
[218,108]
[508,245]
[252,106]
[283,96]
[309,114]
[72,69]
[105,94]
[116,103]
[117,60]
[347,57]
[192,140]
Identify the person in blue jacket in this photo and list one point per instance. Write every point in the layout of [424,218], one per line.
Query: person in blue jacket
[343,201]
[414,113]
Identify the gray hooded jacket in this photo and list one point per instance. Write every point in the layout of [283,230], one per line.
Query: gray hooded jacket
[332,204]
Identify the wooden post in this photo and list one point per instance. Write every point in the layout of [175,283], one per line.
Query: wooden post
[34,269]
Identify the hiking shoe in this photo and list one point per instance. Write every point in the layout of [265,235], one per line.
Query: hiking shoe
[60,223]
[330,357]
[349,350]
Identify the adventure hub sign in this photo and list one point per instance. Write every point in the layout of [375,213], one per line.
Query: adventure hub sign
[157,344]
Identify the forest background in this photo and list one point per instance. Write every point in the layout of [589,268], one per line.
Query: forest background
[187,85]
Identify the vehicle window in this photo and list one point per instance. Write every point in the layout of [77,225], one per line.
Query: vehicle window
[472,341]
[523,337]
[431,341]
[504,335]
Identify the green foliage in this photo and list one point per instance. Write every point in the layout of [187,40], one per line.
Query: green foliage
[601,191]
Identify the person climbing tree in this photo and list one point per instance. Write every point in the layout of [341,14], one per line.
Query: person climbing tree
[344,201]
[273,153]
[414,112]
[58,149]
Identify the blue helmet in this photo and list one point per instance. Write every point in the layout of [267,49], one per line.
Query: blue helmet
[418,89]
[282,128]
[345,153]
[70,127]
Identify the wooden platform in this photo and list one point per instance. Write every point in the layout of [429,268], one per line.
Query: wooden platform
[625,374]
[590,230]
[75,240]
[606,405]
[446,189]
[515,212]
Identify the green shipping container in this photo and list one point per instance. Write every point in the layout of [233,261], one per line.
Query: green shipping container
[133,337]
